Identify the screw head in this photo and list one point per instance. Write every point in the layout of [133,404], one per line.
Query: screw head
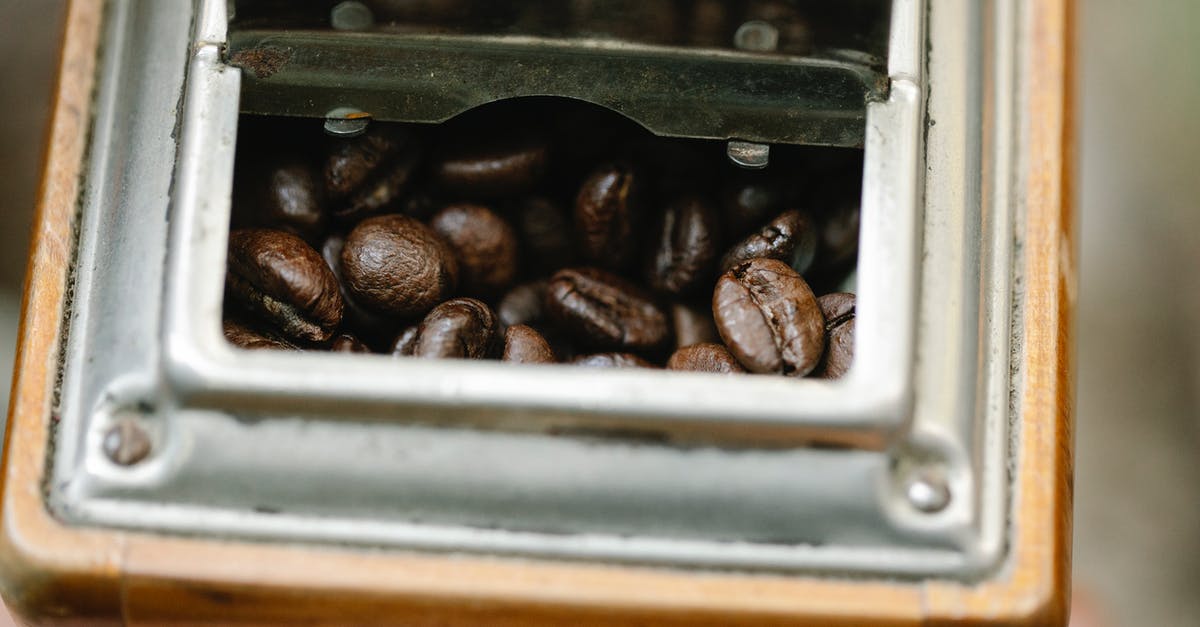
[756,36]
[126,443]
[346,122]
[748,155]
[928,491]
[351,15]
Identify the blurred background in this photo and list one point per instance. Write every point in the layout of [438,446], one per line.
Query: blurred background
[1137,512]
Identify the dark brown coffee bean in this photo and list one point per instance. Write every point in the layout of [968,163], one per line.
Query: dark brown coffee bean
[281,280]
[748,203]
[374,329]
[485,245]
[839,312]
[462,328]
[395,265]
[611,360]
[523,304]
[243,336]
[693,325]
[287,196]
[523,345]
[791,238]
[500,167]
[710,24]
[605,311]
[795,32]
[369,172]
[606,214]
[545,231]
[406,342]
[685,247]
[704,357]
[768,318]
[347,343]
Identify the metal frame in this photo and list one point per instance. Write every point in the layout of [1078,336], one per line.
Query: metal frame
[256,444]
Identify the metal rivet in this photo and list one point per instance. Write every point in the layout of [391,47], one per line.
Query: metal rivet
[351,15]
[346,122]
[928,491]
[126,443]
[756,36]
[749,155]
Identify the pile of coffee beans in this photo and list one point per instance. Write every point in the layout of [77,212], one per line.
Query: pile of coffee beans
[575,238]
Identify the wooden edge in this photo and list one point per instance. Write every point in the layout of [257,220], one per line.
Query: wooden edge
[65,575]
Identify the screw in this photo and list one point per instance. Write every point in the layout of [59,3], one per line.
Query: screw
[351,15]
[346,122]
[126,443]
[756,36]
[748,155]
[927,491]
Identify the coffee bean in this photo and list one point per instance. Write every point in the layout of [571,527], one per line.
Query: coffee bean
[395,265]
[281,280]
[791,238]
[347,343]
[287,196]
[605,311]
[523,304]
[502,166]
[839,312]
[611,360]
[523,345]
[459,328]
[371,171]
[795,32]
[243,336]
[406,342]
[685,247]
[693,325]
[373,328]
[485,245]
[545,231]
[768,318]
[606,214]
[704,357]
[710,25]
[839,237]
[747,204]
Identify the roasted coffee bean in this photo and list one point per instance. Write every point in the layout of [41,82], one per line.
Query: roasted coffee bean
[395,265]
[791,238]
[243,336]
[545,231]
[523,345]
[605,311]
[747,204]
[606,214]
[406,342]
[485,245]
[523,304]
[704,357]
[685,247]
[369,172]
[649,21]
[373,328]
[693,325]
[499,167]
[281,280]
[611,360]
[287,196]
[462,328]
[838,309]
[768,318]
[347,343]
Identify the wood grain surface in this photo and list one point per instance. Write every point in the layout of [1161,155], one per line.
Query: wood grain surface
[56,574]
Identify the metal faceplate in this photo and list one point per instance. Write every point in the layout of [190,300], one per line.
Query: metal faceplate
[666,468]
